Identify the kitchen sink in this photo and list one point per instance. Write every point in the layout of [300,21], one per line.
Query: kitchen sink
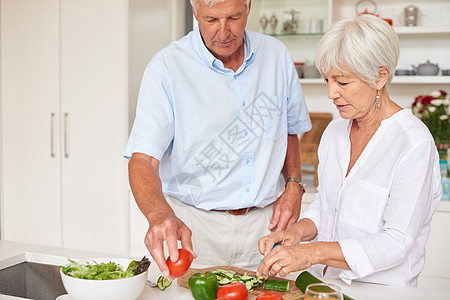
[31,280]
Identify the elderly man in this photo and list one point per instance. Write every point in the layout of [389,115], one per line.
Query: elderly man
[216,123]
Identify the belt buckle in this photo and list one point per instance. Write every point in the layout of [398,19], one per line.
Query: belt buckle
[238,214]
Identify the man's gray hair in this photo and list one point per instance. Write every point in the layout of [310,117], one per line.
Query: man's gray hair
[361,46]
[210,3]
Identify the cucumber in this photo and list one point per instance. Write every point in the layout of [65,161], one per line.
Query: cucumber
[248,285]
[305,278]
[226,276]
[276,285]
[224,281]
[163,283]
[245,277]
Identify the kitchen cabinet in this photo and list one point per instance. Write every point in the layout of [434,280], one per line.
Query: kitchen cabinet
[65,123]
[64,72]
[31,164]
[70,75]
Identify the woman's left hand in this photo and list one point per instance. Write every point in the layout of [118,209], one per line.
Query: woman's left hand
[283,260]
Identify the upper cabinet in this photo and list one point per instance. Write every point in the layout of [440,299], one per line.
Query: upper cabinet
[429,39]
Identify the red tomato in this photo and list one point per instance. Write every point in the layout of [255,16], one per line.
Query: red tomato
[178,268]
[222,298]
[234,291]
[269,296]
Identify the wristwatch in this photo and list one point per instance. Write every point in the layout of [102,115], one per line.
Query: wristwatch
[295,179]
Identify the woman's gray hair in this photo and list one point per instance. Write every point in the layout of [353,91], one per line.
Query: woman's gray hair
[361,46]
[210,3]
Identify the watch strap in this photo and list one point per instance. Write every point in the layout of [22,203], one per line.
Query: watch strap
[297,180]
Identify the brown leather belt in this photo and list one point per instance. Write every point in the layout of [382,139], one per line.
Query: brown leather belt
[237,212]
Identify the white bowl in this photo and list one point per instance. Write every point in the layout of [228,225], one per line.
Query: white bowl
[113,289]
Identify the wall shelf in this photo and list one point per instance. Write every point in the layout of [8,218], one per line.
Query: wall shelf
[396,80]
[421,80]
[413,30]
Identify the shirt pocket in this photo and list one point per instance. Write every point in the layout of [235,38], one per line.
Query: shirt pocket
[363,207]
[274,116]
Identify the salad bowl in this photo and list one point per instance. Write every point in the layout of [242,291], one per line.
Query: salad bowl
[128,288]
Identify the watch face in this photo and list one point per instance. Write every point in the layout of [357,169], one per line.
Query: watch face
[366,7]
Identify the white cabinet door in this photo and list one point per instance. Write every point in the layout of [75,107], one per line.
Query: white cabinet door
[30,136]
[65,123]
[95,108]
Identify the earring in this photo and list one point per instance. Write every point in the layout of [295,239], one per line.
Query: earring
[377,104]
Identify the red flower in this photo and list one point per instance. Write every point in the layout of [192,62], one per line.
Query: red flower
[424,100]
[443,94]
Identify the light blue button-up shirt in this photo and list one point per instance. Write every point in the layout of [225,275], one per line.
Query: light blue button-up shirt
[220,135]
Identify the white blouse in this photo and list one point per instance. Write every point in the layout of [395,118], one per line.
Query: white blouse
[381,212]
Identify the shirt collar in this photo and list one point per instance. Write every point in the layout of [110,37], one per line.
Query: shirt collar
[216,64]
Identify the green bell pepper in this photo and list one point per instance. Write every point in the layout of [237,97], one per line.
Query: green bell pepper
[204,286]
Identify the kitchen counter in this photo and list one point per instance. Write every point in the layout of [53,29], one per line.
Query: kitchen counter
[14,253]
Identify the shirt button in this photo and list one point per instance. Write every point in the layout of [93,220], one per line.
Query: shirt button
[243,103]
[247,190]
[246,133]
[247,161]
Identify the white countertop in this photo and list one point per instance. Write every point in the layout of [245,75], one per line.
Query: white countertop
[14,253]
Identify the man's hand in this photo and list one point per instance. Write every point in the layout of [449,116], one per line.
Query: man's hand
[164,225]
[286,210]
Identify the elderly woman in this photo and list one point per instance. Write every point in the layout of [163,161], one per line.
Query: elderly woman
[379,181]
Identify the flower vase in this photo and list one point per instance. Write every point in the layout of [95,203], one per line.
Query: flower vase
[443,159]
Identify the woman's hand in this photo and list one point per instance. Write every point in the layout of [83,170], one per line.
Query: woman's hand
[302,231]
[283,260]
[286,237]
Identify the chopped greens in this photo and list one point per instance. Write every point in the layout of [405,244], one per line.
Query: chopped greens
[227,276]
[105,271]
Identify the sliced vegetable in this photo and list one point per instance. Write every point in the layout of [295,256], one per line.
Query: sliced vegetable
[305,278]
[178,268]
[234,291]
[204,286]
[227,276]
[163,283]
[276,285]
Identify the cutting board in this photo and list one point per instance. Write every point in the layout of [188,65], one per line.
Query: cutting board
[293,294]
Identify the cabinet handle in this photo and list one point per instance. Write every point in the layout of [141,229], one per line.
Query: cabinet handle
[66,137]
[52,134]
